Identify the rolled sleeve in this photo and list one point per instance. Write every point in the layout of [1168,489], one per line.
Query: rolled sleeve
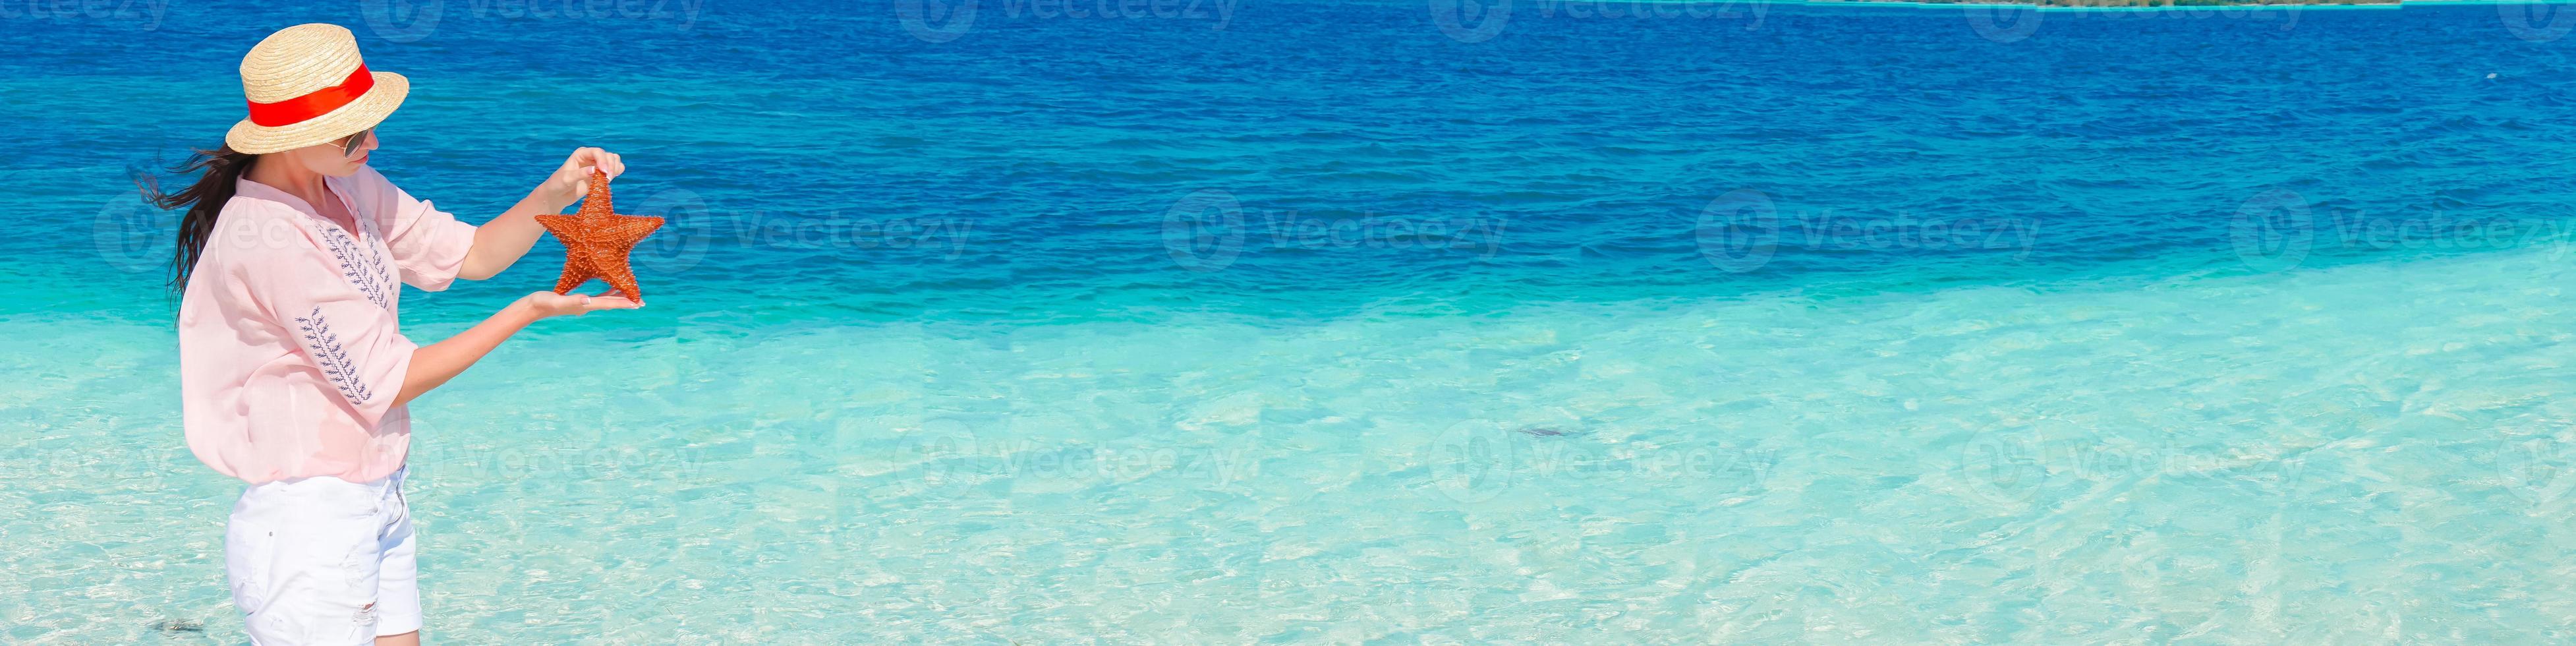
[353,342]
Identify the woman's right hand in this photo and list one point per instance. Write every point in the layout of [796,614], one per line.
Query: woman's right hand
[571,181]
[547,304]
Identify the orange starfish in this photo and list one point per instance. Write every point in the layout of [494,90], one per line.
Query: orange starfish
[596,240]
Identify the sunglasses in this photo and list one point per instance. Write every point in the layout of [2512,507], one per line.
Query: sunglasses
[349,148]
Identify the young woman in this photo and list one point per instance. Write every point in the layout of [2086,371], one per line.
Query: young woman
[293,373]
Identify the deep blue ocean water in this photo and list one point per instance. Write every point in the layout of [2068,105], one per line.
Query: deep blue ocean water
[1453,322]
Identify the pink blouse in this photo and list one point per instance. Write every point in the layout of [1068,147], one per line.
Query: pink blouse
[289,356]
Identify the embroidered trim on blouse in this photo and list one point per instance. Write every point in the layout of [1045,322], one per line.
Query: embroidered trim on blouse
[328,356]
[359,264]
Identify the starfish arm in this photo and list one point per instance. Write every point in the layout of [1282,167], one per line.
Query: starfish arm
[626,286]
[600,200]
[579,267]
[570,279]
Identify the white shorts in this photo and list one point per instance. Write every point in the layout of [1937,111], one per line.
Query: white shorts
[323,561]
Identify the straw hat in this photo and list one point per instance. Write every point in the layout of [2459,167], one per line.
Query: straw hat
[307,86]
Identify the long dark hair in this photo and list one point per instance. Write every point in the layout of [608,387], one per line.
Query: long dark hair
[219,170]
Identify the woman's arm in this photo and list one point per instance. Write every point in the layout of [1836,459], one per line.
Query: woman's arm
[432,365]
[500,242]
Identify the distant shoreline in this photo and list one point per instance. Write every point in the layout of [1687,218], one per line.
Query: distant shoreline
[2104,5]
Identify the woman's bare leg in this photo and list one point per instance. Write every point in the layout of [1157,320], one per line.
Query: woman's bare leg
[406,639]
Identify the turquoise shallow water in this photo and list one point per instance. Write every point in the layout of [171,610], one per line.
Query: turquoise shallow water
[1324,324]
[2342,454]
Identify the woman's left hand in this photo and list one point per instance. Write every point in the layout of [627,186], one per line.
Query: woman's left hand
[571,182]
